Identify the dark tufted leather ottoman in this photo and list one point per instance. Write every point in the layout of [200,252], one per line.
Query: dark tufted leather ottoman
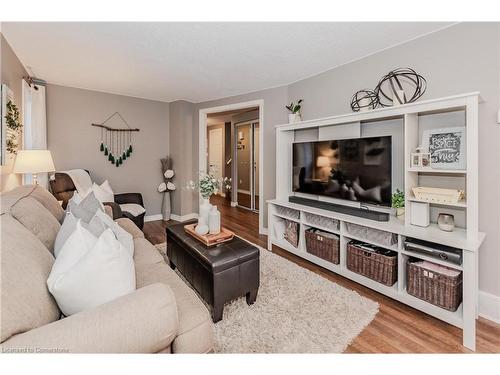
[219,273]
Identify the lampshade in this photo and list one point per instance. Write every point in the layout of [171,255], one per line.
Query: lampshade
[34,161]
[323,161]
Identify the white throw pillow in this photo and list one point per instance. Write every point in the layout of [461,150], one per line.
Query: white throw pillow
[103,192]
[133,208]
[75,246]
[121,234]
[105,185]
[84,277]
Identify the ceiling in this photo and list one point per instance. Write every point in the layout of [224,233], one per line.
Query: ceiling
[196,61]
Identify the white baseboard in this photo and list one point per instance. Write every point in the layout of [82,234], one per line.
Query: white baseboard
[183,218]
[489,306]
[234,204]
[153,217]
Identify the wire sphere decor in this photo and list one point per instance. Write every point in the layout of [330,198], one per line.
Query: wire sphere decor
[400,86]
[364,100]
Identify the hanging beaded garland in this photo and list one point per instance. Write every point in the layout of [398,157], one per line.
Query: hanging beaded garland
[116,144]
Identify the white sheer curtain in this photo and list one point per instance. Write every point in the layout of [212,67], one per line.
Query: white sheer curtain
[35,125]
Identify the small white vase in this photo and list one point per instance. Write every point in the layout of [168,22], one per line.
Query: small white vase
[214,220]
[205,209]
[294,117]
[165,206]
[202,227]
[400,213]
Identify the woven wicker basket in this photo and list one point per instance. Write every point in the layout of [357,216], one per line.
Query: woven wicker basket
[379,267]
[434,287]
[323,247]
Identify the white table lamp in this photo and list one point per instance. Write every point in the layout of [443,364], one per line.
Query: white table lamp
[34,161]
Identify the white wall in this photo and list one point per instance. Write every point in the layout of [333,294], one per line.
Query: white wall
[182,153]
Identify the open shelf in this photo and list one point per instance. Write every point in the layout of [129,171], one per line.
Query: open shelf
[432,233]
[322,228]
[284,244]
[287,217]
[431,259]
[460,204]
[356,238]
[437,171]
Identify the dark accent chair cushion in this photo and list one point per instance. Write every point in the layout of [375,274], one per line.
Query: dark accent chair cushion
[63,188]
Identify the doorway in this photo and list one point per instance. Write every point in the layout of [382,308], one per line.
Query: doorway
[215,151]
[207,117]
[247,164]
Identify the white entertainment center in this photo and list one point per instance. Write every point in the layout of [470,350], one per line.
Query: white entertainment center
[408,120]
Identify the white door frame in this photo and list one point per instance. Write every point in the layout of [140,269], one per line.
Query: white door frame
[202,146]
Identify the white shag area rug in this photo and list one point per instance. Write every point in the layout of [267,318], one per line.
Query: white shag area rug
[297,311]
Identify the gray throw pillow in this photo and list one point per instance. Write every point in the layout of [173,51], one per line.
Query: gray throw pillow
[86,209]
[96,225]
[68,226]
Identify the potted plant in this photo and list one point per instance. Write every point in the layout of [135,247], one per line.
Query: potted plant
[294,109]
[207,185]
[398,202]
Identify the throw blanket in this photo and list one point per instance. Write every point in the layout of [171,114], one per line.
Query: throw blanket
[81,179]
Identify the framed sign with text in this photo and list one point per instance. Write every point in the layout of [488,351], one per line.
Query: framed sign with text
[447,147]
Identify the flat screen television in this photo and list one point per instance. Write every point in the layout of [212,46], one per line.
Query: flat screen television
[358,169]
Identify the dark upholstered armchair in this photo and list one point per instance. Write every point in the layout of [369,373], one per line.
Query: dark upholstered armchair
[63,188]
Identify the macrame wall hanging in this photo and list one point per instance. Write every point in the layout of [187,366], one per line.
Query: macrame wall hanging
[116,143]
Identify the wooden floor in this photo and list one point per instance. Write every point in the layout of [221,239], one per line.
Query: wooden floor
[397,328]
[245,200]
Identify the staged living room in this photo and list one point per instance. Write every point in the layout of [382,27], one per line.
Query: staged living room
[174,187]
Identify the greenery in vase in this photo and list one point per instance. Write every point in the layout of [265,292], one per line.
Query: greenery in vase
[294,108]
[398,199]
[208,184]
[14,127]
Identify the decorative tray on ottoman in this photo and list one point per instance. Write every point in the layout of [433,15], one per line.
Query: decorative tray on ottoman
[210,239]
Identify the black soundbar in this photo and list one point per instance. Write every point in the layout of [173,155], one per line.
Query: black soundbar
[354,211]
